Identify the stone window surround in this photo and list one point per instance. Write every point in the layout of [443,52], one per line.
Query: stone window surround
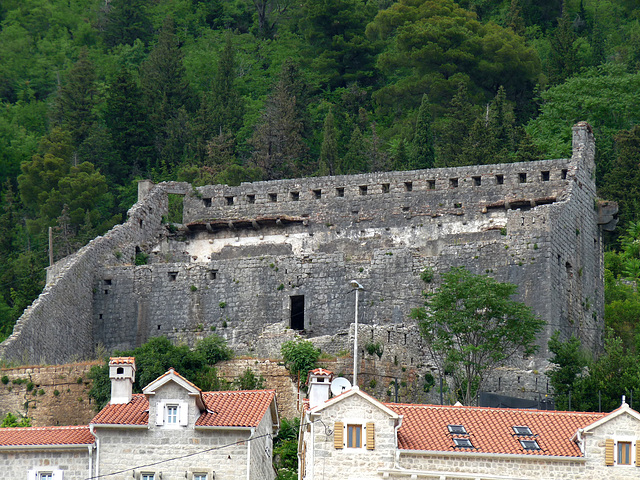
[45,474]
[349,422]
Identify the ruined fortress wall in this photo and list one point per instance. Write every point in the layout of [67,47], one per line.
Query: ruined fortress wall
[252,259]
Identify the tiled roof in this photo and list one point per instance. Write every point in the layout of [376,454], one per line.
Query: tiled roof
[424,427]
[45,436]
[321,371]
[136,412]
[172,372]
[122,361]
[237,409]
[224,409]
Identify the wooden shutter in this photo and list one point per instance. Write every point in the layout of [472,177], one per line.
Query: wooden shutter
[608,455]
[160,413]
[183,414]
[637,453]
[338,435]
[371,436]
[303,460]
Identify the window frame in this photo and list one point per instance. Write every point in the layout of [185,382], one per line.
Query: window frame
[147,476]
[200,476]
[162,413]
[624,440]
[530,444]
[357,428]
[171,414]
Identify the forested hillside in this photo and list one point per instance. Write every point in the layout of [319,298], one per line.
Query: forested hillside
[96,94]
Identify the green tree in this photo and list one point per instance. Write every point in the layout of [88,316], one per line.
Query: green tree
[300,356]
[329,158]
[249,381]
[155,357]
[126,21]
[570,361]
[285,449]
[471,325]
[422,148]
[454,129]
[10,421]
[563,58]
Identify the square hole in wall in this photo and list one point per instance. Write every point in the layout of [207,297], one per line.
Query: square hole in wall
[295,196]
[564,173]
[206,202]
[317,194]
[431,184]
[385,188]
[251,199]
[408,186]
[453,182]
[213,274]
[477,181]
[173,276]
[339,192]
[363,189]
[229,200]
[457,205]
[107,281]
[273,197]
[522,177]
[544,176]
[499,179]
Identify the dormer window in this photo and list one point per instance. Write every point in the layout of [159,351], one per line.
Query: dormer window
[457,429]
[172,414]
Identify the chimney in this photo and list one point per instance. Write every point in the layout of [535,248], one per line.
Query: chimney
[122,372]
[319,382]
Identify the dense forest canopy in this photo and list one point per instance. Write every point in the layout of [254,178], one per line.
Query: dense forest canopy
[96,94]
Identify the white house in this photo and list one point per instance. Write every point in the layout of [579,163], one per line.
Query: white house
[354,436]
[171,431]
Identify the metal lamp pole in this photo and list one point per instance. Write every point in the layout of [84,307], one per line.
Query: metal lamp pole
[357,287]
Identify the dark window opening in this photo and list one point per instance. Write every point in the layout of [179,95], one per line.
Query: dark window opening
[106,292]
[499,179]
[159,327]
[295,196]
[339,192]
[318,193]
[405,209]
[457,205]
[564,174]
[213,274]
[477,181]
[297,312]
[100,316]
[431,184]
[229,200]
[173,276]
[140,223]
[273,197]
[251,198]
[206,202]
[522,177]
[453,182]
[120,370]
[544,176]
[385,188]
[363,189]
[408,186]
[107,282]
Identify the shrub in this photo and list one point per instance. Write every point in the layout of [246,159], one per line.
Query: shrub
[300,356]
[5,379]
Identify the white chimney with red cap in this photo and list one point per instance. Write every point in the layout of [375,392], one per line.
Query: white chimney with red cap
[122,372]
[319,382]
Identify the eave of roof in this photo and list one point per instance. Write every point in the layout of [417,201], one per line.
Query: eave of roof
[68,437]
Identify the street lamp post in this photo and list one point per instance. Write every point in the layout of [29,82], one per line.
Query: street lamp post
[357,288]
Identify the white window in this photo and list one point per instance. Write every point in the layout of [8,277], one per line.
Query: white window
[199,476]
[148,476]
[45,474]
[172,413]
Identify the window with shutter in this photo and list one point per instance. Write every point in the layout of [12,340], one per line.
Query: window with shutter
[338,435]
[637,455]
[303,460]
[354,436]
[624,453]
[371,436]
[608,455]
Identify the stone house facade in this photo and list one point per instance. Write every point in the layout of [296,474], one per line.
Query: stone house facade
[354,436]
[172,430]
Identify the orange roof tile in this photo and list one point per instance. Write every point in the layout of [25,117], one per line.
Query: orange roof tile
[321,371]
[235,409]
[45,436]
[122,360]
[490,430]
[136,412]
[171,371]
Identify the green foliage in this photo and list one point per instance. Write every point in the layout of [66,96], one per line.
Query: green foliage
[570,362]
[141,258]
[10,421]
[374,348]
[300,356]
[427,275]
[156,356]
[472,325]
[285,449]
[249,381]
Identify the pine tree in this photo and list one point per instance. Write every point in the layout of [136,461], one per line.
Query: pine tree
[422,151]
[126,21]
[329,159]
[226,101]
[563,55]
[355,160]
[76,99]
[454,130]
[514,17]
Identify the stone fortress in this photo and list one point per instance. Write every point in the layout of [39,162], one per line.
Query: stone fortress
[261,262]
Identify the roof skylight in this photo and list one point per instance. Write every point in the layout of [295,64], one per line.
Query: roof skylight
[522,430]
[530,445]
[457,429]
[463,442]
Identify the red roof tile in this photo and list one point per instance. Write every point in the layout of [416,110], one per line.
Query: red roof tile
[122,360]
[490,430]
[238,409]
[136,412]
[45,436]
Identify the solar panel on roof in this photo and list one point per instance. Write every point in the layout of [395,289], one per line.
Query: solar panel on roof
[457,429]
[522,430]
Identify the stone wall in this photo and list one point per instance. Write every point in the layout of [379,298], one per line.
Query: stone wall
[73,462]
[255,262]
[49,395]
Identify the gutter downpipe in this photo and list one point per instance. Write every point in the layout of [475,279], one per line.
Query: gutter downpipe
[90,461]
[395,441]
[97,451]
[253,431]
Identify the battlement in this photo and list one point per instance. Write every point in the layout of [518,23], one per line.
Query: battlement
[280,254]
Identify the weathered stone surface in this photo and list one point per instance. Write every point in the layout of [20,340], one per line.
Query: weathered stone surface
[244,255]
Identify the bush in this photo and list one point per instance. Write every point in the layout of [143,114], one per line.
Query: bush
[141,258]
[5,380]
[249,381]
[214,349]
[300,356]
[374,349]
